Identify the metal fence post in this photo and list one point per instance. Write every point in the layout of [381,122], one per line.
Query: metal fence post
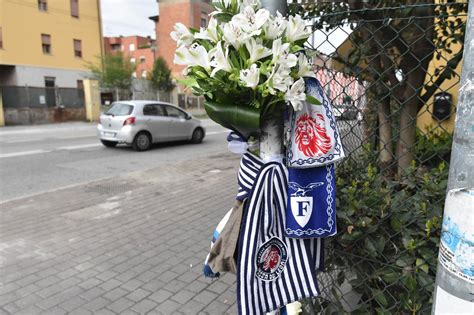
[454,289]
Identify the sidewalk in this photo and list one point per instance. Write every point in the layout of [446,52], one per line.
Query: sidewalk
[131,245]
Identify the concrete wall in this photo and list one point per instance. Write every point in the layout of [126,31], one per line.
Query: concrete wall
[31,116]
[34,76]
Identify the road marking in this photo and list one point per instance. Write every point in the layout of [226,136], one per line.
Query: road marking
[7,155]
[82,146]
[217,132]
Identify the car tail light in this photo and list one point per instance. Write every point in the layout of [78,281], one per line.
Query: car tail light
[129,121]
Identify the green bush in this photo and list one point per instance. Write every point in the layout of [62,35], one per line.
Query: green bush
[388,235]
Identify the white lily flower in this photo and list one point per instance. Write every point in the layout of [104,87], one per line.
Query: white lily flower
[181,56]
[219,59]
[250,76]
[255,4]
[279,49]
[296,29]
[296,95]
[275,27]
[281,55]
[182,35]
[304,67]
[209,33]
[195,55]
[280,79]
[234,35]
[250,21]
[256,50]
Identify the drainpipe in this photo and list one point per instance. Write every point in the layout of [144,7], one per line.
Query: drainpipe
[454,287]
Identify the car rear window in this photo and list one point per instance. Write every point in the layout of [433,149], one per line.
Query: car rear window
[120,109]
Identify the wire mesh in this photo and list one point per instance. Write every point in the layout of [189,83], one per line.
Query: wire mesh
[392,71]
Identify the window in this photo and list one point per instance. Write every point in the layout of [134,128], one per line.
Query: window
[78,48]
[75,8]
[119,109]
[115,47]
[46,43]
[43,5]
[153,110]
[142,59]
[1,38]
[131,47]
[132,60]
[80,84]
[203,19]
[174,112]
[134,74]
[144,74]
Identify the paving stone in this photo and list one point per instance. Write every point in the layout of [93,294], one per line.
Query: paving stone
[196,286]
[110,284]
[90,283]
[132,284]
[106,275]
[96,304]
[191,307]
[115,294]
[218,287]
[183,296]
[80,312]
[144,306]
[154,285]
[93,293]
[138,295]
[167,307]
[205,297]
[120,305]
[160,296]
[104,312]
[216,307]
[72,303]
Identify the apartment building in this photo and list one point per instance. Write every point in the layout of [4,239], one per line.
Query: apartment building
[139,50]
[192,13]
[47,43]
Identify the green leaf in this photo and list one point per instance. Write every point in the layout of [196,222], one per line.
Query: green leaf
[380,297]
[312,100]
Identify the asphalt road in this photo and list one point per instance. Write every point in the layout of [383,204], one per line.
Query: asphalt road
[35,159]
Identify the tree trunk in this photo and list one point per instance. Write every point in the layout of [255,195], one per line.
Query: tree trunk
[407,140]
[385,134]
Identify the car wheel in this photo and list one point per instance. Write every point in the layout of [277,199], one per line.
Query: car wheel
[198,135]
[109,144]
[142,141]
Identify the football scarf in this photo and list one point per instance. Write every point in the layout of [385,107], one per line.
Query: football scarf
[314,139]
[272,269]
[311,208]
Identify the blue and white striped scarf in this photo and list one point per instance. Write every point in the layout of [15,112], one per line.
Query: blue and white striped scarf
[265,284]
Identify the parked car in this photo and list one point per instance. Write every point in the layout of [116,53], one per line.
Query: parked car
[142,123]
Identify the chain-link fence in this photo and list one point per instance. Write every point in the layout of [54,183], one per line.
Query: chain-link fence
[392,70]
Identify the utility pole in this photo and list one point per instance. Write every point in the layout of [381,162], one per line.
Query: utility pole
[454,289]
[271,139]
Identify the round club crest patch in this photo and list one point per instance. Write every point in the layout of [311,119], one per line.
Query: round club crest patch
[271,259]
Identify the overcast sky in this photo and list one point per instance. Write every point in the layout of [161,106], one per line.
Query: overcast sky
[128,17]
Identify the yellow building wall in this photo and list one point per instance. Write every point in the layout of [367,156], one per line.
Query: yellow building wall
[23,23]
[425,120]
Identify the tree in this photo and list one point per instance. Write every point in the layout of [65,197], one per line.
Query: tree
[393,43]
[113,71]
[161,75]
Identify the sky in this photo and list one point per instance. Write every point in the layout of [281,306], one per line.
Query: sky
[128,17]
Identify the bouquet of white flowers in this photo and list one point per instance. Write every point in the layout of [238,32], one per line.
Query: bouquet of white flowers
[244,62]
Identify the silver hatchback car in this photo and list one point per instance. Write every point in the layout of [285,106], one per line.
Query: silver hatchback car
[142,123]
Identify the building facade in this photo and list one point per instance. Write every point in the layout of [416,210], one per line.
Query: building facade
[48,43]
[139,50]
[192,13]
